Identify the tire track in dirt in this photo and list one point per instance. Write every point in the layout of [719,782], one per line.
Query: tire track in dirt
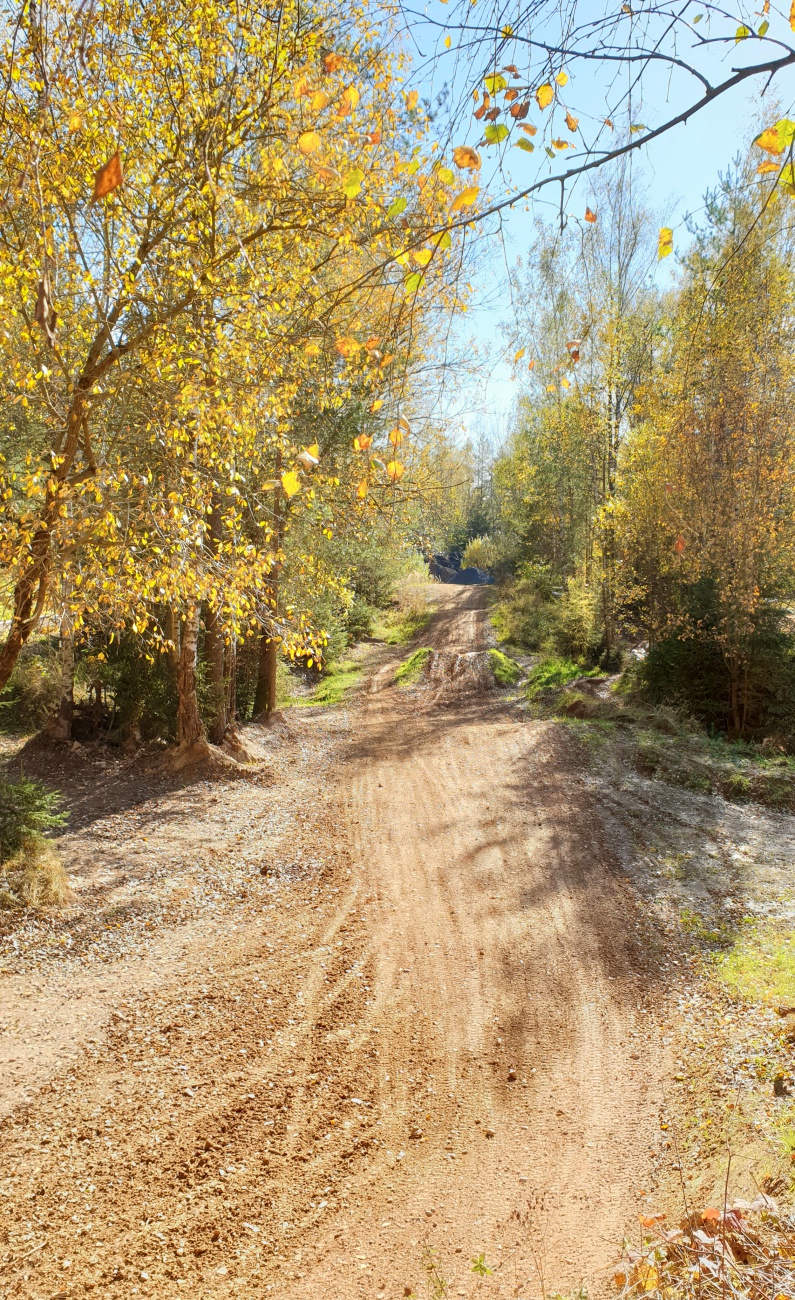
[464,970]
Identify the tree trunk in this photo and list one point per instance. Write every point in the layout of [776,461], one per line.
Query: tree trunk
[172,635]
[60,726]
[214,654]
[189,724]
[265,697]
[230,682]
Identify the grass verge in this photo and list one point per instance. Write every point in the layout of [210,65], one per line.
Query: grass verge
[411,670]
[506,670]
[337,681]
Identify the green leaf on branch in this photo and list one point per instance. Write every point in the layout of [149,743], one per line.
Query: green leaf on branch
[495,132]
[353,182]
[413,282]
[397,207]
[495,83]
[527,145]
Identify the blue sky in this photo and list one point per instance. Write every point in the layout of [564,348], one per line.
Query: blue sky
[677,169]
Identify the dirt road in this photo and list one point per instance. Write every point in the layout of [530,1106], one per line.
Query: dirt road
[437,1045]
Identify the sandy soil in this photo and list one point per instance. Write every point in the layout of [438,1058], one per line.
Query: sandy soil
[339,1027]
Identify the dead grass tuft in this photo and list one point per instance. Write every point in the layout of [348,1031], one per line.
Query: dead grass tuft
[746,1252]
[34,877]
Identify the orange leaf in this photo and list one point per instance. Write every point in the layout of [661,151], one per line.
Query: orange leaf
[362,442]
[361,490]
[108,178]
[375,136]
[572,122]
[679,544]
[333,62]
[396,437]
[309,142]
[412,98]
[590,216]
[766,167]
[347,347]
[530,364]
[529,129]
[466,157]
[395,470]
[349,100]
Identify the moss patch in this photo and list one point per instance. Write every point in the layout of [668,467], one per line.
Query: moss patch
[506,671]
[411,670]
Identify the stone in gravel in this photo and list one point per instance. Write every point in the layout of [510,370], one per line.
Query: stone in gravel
[489,1132]
[511,1076]
[415,1132]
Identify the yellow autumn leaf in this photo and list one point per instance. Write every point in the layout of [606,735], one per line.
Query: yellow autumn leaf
[518,356]
[545,95]
[665,242]
[465,156]
[395,470]
[447,42]
[312,350]
[572,122]
[422,256]
[309,142]
[361,490]
[550,388]
[349,100]
[319,100]
[765,167]
[75,121]
[792,15]
[347,347]
[465,199]
[412,98]
[291,483]
[404,424]
[564,383]
[562,78]
[376,405]
[396,436]
[314,450]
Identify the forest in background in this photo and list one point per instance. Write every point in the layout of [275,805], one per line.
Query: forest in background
[224,346]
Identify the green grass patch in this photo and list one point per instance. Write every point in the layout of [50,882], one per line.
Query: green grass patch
[761,964]
[554,674]
[399,626]
[411,670]
[506,671]
[337,681]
